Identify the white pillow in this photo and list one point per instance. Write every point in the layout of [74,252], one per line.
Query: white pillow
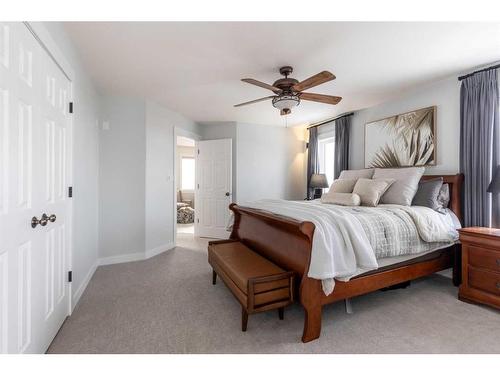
[405,186]
[342,186]
[342,199]
[370,191]
[356,173]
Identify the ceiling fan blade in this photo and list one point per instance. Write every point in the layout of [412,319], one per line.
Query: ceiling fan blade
[255,101]
[328,99]
[285,111]
[315,80]
[262,84]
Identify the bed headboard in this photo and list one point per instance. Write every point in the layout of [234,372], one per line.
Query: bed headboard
[455,183]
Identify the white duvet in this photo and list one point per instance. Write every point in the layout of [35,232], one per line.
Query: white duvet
[341,248]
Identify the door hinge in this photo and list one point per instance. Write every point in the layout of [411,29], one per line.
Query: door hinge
[70,192]
[70,107]
[197,220]
[198,151]
[198,185]
[70,276]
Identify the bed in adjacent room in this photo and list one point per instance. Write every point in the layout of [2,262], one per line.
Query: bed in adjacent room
[339,252]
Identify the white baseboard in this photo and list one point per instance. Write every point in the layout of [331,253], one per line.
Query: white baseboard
[158,250]
[136,256]
[121,259]
[78,294]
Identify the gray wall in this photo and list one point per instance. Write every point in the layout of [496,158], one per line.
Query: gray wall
[137,178]
[122,177]
[85,164]
[268,161]
[445,95]
[160,171]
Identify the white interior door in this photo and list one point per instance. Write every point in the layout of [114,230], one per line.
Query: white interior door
[213,187]
[34,166]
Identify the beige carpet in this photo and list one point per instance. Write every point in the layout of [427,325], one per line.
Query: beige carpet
[167,304]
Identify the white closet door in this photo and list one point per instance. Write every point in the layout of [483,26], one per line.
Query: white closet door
[213,187]
[34,165]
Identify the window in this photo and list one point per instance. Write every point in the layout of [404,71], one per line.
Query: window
[326,154]
[187,173]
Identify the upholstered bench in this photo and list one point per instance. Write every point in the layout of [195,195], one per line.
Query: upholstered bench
[258,284]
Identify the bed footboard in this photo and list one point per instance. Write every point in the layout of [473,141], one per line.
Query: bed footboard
[282,240]
[287,243]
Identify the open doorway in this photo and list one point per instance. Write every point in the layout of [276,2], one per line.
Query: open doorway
[185,185]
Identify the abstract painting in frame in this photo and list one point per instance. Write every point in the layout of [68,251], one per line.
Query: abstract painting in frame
[404,140]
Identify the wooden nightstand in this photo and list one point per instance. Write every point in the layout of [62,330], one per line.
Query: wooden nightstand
[480,266]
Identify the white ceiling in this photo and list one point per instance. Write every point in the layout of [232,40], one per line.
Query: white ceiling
[195,68]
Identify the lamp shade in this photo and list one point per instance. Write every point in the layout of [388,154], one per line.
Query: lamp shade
[318,181]
[495,182]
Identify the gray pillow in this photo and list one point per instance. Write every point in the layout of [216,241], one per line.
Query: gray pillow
[342,186]
[355,174]
[370,191]
[404,188]
[427,194]
[444,198]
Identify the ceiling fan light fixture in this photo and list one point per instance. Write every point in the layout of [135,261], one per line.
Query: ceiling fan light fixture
[286,101]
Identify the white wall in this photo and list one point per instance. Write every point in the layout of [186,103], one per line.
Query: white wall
[85,163]
[160,171]
[269,162]
[445,95]
[122,177]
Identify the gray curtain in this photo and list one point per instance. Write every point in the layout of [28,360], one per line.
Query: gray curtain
[479,142]
[342,129]
[312,159]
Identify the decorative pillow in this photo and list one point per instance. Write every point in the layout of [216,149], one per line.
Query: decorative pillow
[444,198]
[404,187]
[342,186]
[427,194]
[370,191]
[356,173]
[342,199]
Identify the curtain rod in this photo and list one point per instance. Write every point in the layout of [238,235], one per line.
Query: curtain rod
[478,71]
[330,120]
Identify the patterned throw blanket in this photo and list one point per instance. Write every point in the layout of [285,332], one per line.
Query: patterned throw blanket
[392,231]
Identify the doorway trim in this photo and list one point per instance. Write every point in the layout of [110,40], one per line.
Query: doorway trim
[188,134]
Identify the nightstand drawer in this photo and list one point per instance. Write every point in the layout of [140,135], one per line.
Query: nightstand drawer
[484,258]
[484,280]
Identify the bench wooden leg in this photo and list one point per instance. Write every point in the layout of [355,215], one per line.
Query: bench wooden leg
[214,277]
[281,313]
[244,319]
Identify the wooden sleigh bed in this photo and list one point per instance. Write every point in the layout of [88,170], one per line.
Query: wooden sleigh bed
[288,243]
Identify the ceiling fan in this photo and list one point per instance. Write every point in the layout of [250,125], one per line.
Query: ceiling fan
[289,91]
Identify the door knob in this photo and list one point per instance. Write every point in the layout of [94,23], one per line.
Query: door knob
[34,222]
[228,194]
[42,221]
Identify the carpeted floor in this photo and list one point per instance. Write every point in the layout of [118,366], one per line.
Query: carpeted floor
[167,304]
